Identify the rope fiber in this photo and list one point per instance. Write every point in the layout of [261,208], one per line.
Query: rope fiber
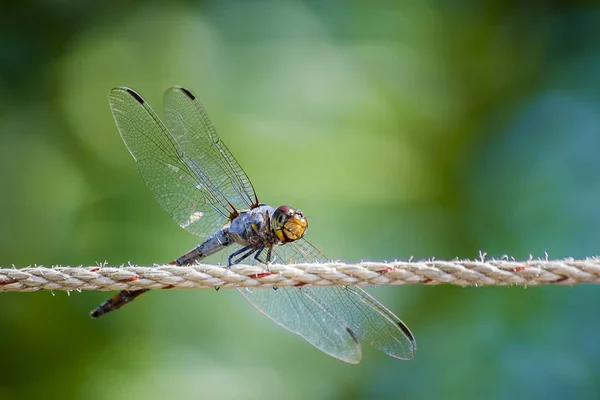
[482,272]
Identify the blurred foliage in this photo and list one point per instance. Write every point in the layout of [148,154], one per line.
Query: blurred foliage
[400,128]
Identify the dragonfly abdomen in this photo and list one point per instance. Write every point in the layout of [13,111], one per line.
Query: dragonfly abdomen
[210,246]
[116,302]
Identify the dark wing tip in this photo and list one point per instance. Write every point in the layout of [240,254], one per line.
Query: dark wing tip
[406,331]
[353,334]
[135,95]
[188,93]
[96,313]
[410,337]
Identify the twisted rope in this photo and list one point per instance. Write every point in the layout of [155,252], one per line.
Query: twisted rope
[495,272]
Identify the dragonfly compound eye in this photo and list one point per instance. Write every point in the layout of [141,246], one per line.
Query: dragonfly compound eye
[288,224]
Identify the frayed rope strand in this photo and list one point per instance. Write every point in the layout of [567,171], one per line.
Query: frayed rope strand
[493,272]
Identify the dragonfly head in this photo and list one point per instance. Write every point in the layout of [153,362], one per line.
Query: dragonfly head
[288,224]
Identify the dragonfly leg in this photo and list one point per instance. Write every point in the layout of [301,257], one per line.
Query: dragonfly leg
[269,253]
[248,251]
[258,253]
[267,259]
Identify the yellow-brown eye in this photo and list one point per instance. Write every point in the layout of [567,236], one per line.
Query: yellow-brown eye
[288,224]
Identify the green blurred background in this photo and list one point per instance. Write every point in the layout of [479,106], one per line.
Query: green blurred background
[400,128]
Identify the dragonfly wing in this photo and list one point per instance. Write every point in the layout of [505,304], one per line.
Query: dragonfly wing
[300,314]
[194,132]
[361,315]
[169,173]
[371,321]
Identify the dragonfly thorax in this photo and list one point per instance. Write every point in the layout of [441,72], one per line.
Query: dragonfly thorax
[265,226]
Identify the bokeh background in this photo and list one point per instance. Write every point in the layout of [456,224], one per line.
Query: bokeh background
[400,128]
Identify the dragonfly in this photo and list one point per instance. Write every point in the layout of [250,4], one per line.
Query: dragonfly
[197,181]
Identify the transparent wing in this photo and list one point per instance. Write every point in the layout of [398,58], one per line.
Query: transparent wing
[322,315]
[192,130]
[181,188]
[305,317]
[293,310]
